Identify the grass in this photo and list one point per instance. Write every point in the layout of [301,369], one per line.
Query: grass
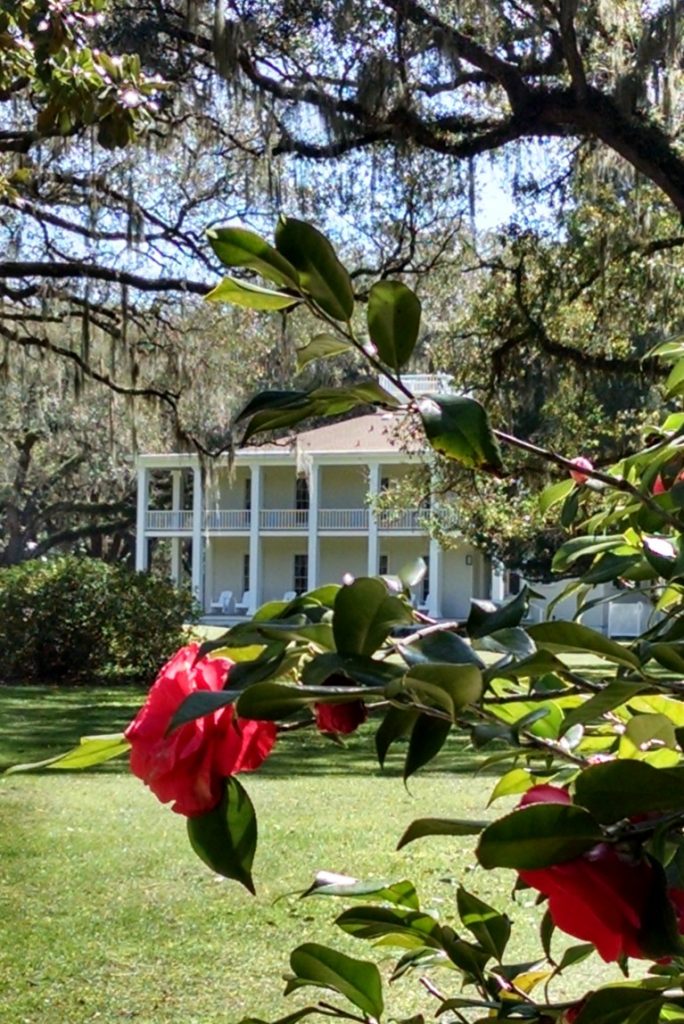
[107,915]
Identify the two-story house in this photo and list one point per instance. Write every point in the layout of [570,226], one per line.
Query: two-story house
[292,515]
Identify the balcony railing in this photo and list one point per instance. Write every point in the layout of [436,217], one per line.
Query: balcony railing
[344,519]
[337,520]
[171,522]
[411,519]
[226,520]
[283,519]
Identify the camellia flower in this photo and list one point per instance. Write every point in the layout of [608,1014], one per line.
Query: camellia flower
[189,764]
[581,463]
[601,897]
[342,718]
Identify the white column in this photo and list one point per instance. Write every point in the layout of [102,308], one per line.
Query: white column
[255,563]
[141,544]
[197,537]
[314,546]
[373,544]
[498,581]
[176,490]
[435,580]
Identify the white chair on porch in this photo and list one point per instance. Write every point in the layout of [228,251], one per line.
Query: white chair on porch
[244,606]
[223,603]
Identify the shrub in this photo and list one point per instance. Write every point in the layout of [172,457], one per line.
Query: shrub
[74,619]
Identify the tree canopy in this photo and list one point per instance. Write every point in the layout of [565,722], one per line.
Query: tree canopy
[127,130]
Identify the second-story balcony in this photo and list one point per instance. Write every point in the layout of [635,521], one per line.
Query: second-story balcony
[284,520]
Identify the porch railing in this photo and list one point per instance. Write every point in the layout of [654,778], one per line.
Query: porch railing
[235,520]
[410,519]
[346,519]
[227,519]
[171,522]
[283,519]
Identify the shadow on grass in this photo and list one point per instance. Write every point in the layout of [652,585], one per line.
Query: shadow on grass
[37,722]
[40,722]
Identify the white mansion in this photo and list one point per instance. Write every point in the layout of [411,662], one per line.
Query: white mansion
[292,515]
[295,514]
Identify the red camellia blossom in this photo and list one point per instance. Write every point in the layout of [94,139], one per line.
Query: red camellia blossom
[600,897]
[341,718]
[581,463]
[190,764]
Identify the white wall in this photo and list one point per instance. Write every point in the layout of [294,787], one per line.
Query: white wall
[343,486]
[278,487]
[401,550]
[339,555]
[457,582]
[278,565]
[230,492]
[224,566]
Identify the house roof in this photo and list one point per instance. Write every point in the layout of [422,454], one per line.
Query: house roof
[376,432]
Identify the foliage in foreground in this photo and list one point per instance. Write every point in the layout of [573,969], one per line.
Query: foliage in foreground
[78,618]
[598,832]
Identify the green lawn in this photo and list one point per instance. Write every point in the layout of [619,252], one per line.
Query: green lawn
[106,914]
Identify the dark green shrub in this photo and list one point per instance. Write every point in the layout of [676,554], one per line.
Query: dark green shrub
[78,619]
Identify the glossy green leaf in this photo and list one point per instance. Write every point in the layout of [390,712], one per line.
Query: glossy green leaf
[620,789]
[250,296]
[442,646]
[364,615]
[356,980]
[401,894]
[199,704]
[575,955]
[336,401]
[516,781]
[485,617]
[554,494]
[320,273]
[277,419]
[674,385]
[615,693]
[669,655]
[537,836]
[239,247]
[321,346]
[393,321]
[458,428]
[413,926]
[272,700]
[491,929]
[546,930]
[396,723]
[450,687]
[269,401]
[427,738]
[358,668]
[616,1004]
[226,837]
[581,547]
[422,827]
[467,956]
[561,637]
[538,664]
[512,640]
[569,510]
[610,567]
[90,751]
